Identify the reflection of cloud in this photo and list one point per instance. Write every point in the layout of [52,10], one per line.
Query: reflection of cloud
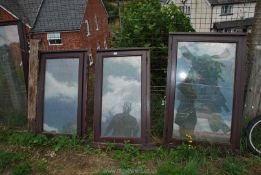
[134,61]
[58,89]
[224,50]
[121,89]
[50,128]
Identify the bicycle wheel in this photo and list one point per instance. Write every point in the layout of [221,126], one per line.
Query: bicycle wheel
[254,135]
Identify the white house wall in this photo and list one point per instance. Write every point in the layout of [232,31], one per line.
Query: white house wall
[239,11]
[202,15]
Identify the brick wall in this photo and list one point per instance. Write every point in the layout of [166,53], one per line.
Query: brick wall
[80,40]
[5,16]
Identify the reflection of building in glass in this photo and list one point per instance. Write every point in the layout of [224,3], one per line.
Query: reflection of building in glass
[123,124]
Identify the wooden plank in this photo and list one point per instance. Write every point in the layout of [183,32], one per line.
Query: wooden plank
[33,84]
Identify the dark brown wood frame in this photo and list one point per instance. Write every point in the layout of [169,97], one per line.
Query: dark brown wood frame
[239,82]
[145,97]
[23,45]
[82,88]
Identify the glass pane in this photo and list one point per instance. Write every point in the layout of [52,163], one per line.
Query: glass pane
[121,97]
[204,91]
[61,96]
[13,103]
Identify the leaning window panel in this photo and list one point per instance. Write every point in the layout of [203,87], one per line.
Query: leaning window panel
[205,88]
[121,91]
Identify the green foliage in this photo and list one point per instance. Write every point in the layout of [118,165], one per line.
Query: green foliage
[232,166]
[13,118]
[26,139]
[22,169]
[145,23]
[7,159]
[62,142]
[112,10]
[126,155]
[41,166]
[190,168]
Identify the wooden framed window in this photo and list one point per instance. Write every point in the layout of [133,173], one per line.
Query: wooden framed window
[205,88]
[62,93]
[121,106]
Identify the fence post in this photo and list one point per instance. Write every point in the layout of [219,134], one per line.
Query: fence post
[33,84]
[253,94]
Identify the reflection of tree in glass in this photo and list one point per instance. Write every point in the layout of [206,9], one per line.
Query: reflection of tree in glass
[123,124]
[186,113]
[208,73]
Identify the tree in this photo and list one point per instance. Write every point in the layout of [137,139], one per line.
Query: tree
[145,23]
[253,96]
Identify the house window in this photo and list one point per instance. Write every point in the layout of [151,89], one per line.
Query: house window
[226,10]
[54,38]
[96,22]
[185,9]
[202,89]
[105,43]
[122,92]
[98,46]
[88,32]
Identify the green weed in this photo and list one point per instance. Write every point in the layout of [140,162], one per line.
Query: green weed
[7,159]
[41,166]
[232,166]
[22,169]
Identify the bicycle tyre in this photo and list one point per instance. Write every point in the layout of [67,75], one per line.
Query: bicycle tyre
[252,126]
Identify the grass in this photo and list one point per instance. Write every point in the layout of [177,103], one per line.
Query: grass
[25,153]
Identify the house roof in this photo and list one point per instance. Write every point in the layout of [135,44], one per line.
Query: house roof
[220,2]
[25,10]
[234,24]
[60,15]
[48,15]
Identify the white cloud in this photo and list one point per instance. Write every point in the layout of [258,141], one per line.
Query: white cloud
[134,61]
[50,128]
[59,89]
[121,89]
[202,48]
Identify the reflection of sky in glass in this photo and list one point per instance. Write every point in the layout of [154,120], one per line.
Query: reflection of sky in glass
[61,95]
[121,84]
[198,65]
[8,35]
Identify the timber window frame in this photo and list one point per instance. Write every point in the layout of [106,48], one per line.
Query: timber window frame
[82,88]
[102,55]
[239,82]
